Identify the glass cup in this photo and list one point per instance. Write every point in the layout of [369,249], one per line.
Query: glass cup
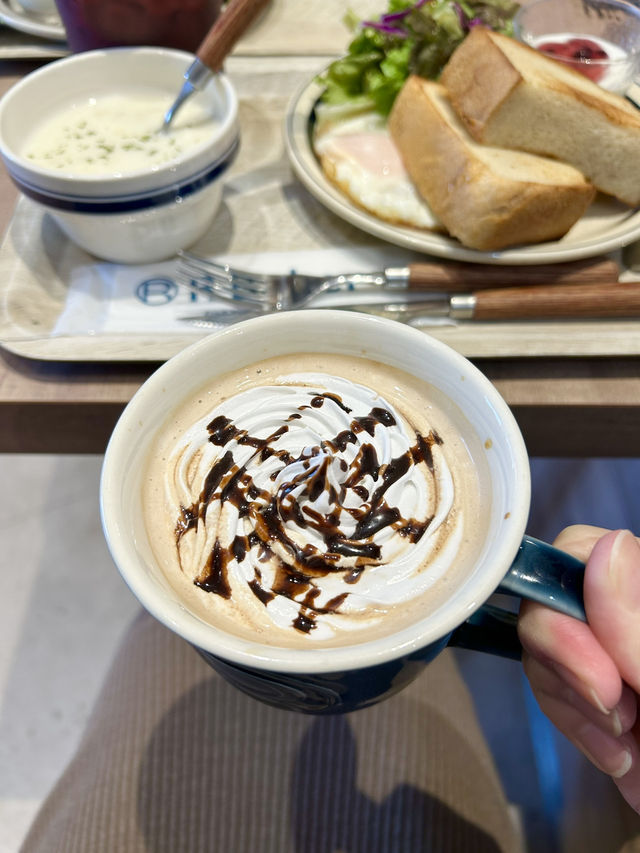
[598,38]
[353,674]
[93,24]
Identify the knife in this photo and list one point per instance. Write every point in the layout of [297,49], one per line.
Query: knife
[561,301]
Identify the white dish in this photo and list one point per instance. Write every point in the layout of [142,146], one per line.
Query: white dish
[15,45]
[44,26]
[606,226]
[142,215]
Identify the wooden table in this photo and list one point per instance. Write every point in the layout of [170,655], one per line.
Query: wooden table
[565,407]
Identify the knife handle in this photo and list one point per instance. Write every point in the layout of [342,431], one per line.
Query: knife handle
[456,277]
[563,301]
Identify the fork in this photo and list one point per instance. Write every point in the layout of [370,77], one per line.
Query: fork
[269,292]
[275,292]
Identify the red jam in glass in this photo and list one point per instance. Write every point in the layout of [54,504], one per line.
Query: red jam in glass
[580,53]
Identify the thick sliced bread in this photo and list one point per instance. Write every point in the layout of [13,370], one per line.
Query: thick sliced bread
[510,95]
[488,198]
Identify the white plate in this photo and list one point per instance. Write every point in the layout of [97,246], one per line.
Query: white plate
[44,26]
[607,225]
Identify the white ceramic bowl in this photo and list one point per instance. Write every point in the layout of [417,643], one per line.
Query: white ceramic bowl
[137,217]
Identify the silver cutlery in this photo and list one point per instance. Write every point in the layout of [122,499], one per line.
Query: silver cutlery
[295,290]
[566,301]
[215,47]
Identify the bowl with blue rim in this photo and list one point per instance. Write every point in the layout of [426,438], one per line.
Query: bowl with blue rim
[82,138]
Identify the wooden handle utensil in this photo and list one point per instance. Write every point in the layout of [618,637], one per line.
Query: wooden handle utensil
[566,301]
[456,277]
[213,50]
[232,23]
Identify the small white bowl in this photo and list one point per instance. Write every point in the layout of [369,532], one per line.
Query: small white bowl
[136,217]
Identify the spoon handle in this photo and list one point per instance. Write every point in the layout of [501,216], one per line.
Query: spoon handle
[227,29]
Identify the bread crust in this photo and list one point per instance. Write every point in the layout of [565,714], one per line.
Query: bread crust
[479,84]
[509,95]
[482,204]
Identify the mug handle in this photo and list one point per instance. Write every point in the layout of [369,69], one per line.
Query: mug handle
[540,573]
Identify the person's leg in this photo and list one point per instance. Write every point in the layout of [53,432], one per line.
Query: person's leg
[175,759]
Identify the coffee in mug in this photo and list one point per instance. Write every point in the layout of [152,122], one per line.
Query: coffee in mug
[290,501]
[321,501]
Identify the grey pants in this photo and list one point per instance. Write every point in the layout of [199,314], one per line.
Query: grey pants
[176,760]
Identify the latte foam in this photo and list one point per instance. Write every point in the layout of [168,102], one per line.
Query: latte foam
[308,507]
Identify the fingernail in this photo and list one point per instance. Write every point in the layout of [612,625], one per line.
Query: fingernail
[597,701]
[616,724]
[605,751]
[624,569]
[579,686]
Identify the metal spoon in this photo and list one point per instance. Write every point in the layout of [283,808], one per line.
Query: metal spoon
[217,44]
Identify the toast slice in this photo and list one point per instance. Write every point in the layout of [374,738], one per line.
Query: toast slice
[489,198]
[510,95]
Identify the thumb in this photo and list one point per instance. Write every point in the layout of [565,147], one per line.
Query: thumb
[612,601]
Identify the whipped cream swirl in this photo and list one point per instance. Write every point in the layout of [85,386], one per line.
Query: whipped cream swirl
[312,498]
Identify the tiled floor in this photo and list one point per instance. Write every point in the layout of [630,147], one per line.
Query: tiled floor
[63,609]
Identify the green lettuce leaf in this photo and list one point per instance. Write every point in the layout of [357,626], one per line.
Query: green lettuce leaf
[408,39]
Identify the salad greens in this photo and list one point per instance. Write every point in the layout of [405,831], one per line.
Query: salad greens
[408,39]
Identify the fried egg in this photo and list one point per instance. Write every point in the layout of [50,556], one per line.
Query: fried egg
[358,156]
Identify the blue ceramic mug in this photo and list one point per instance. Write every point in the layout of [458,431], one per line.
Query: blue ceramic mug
[353,674]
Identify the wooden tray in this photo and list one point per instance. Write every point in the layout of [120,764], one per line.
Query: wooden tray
[264,209]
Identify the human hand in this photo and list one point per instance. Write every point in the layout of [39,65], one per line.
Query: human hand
[586,677]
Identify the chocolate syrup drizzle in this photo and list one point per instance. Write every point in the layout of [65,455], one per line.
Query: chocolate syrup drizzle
[229,481]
